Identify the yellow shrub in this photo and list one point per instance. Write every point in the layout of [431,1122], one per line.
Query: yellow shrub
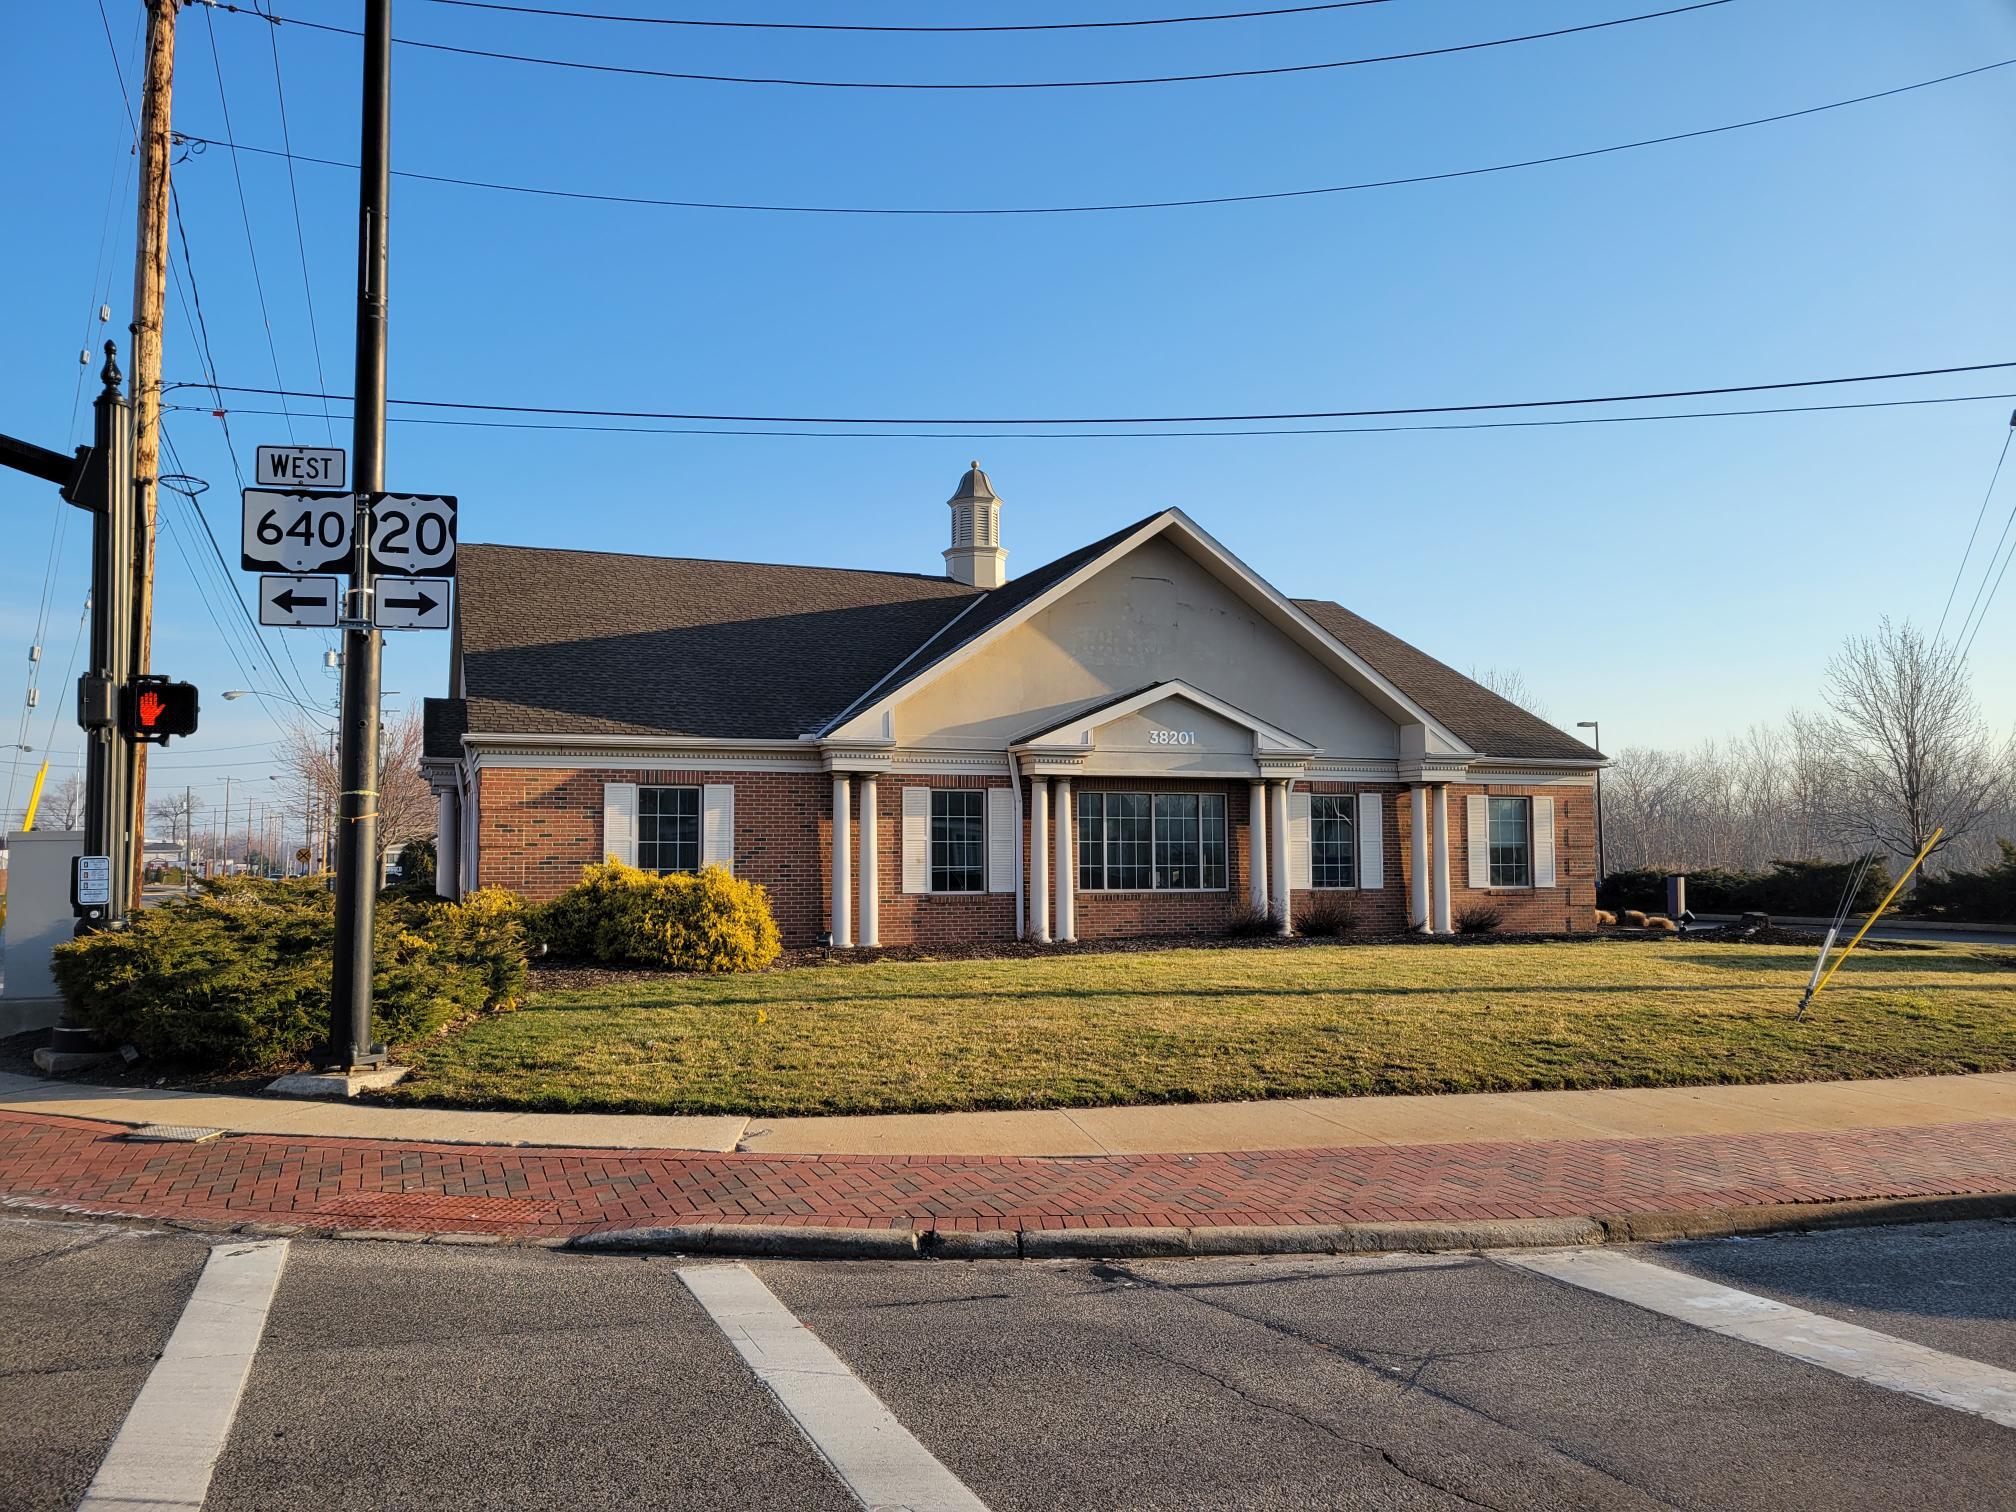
[1661,924]
[1634,918]
[1604,916]
[706,921]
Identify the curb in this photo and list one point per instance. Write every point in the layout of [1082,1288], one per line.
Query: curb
[780,1241]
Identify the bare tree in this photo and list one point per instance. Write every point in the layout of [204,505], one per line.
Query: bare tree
[1914,753]
[1510,684]
[63,804]
[405,801]
[178,812]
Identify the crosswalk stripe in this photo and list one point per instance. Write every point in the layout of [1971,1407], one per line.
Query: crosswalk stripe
[1847,1349]
[168,1446]
[879,1460]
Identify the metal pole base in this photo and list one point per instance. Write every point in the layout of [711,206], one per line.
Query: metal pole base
[362,1060]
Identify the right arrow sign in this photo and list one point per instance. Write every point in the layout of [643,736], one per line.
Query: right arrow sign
[410,603]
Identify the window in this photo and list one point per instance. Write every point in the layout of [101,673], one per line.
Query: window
[1511,848]
[958,840]
[1333,858]
[668,829]
[1132,842]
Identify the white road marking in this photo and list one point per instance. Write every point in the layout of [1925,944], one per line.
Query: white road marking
[878,1459]
[168,1446]
[1844,1348]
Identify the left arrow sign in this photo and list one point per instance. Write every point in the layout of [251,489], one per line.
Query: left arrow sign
[299,601]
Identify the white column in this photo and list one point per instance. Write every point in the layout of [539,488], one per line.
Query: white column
[1039,860]
[871,872]
[1256,843]
[1067,874]
[1277,821]
[843,879]
[1417,887]
[1441,923]
[447,856]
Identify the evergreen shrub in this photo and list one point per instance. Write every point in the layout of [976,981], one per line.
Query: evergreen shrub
[239,975]
[1987,896]
[1799,888]
[702,921]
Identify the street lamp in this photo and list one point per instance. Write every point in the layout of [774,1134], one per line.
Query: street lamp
[1602,855]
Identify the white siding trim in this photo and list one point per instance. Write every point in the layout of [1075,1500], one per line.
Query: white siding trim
[1000,840]
[1371,842]
[916,840]
[717,825]
[1477,839]
[1543,841]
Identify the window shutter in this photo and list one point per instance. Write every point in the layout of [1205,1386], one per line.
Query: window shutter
[619,821]
[717,825]
[916,840]
[1371,843]
[1543,842]
[1298,841]
[1477,839]
[1000,840]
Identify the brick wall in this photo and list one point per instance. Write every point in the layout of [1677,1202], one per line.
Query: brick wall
[539,827]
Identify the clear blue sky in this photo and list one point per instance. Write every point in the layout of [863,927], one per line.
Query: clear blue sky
[1676,580]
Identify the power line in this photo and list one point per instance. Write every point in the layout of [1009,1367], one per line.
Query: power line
[828,26]
[1971,626]
[1234,73]
[1089,209]
[1348,430]
[300,237]
[1969,645]
[1993,478]
[1359,414]
[245,215]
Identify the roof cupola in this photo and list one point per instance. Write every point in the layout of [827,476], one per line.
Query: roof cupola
[976,555]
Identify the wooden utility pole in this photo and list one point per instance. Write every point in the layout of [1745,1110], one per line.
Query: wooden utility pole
[150,292]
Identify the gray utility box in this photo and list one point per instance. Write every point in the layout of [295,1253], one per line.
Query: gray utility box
[39,918]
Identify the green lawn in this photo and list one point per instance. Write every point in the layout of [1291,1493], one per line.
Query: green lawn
[1191,1025]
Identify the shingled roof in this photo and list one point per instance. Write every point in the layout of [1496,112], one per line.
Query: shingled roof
[559,642]
[1488,723]
[599,643]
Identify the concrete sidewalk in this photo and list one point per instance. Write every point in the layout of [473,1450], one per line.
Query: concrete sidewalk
[1177,1129]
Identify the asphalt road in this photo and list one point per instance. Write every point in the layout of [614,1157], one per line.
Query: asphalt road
[397,1375]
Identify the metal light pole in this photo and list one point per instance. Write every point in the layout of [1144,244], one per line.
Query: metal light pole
[1602,854]
[350,1043]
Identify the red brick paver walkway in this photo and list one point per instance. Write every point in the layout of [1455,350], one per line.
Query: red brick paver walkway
[78,1164]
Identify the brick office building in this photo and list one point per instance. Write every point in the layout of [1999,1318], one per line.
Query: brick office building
[1139,737]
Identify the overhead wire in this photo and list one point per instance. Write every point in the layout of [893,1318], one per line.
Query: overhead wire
[1119,205]
[245,215]
[634,71]
[1201,419]
[1994,477]
[1184,435]
[1970,626]
[835,26]
[300,236]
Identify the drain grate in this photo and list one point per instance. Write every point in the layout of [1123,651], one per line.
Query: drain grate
[172,1134]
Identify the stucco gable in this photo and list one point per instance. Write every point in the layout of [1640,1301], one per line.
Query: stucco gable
[1165,602]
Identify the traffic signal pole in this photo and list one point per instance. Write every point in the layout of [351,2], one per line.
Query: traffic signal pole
[350,1043]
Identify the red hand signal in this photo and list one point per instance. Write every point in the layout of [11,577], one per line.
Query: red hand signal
[150,710]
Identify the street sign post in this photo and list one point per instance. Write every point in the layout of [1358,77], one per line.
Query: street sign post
[321,468]
[412,535]
[310,602]
[411,603]
[296,532]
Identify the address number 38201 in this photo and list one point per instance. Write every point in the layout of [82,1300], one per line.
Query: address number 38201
[1172,737]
